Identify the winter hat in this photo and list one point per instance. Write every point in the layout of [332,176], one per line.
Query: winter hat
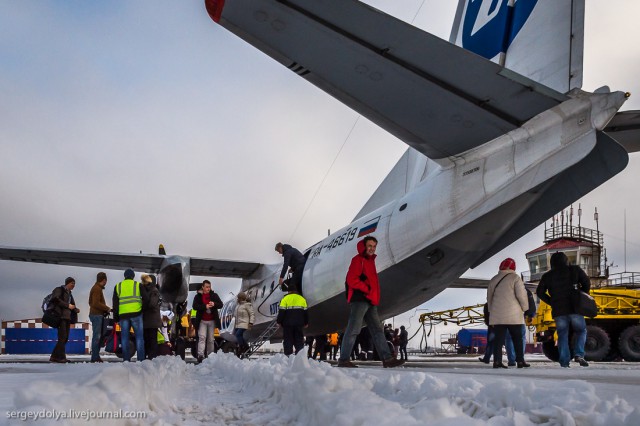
[129,274]
[508,263]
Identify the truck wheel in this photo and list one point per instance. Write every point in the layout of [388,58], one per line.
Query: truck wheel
[550,350]
[597,345]
[629,343]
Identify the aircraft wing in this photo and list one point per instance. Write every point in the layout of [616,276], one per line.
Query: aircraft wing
[625,129]
[139,262]
[222,268]
[461,282]
[438,98]
[151,263]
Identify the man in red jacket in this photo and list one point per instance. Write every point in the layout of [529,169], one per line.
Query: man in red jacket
[363,295]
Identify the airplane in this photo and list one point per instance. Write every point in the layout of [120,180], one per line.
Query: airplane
[500,137]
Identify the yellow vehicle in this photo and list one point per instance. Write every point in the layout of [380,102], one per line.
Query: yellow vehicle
[615,332]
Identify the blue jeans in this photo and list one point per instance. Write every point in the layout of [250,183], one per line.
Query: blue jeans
[358,312]
[579,326]
[125,325]
[96,329]
[488,350]
[239,333]
[508,343]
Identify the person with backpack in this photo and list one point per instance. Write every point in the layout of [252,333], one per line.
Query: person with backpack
[98,309]
[556,288]
[63,306]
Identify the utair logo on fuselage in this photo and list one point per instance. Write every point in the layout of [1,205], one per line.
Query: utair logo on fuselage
[490,26]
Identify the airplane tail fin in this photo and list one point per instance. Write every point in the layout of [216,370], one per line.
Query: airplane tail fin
[542,40]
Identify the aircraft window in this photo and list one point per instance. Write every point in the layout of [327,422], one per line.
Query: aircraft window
[272,282]
[263,288]
[404,206]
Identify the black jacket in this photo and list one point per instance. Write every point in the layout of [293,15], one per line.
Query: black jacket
[61,298]
[151,307]
[557,285]
[201,308]
[404,337]
[292,258]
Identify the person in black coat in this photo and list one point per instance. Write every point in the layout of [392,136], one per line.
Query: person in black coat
[404,341]
[151,319]
[206,303]
[555,289]
[64,307]
[295,260]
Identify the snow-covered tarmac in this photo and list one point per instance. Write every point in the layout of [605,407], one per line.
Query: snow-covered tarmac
[224,390]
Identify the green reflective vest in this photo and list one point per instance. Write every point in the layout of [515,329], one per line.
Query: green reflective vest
[129,297]
[160,338]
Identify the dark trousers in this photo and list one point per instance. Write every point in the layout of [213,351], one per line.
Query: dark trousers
[403,351]
[292,337]
[151,342]
[321,348]
[59,351]
[516,334]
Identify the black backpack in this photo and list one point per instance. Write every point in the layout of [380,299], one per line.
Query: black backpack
[46,303]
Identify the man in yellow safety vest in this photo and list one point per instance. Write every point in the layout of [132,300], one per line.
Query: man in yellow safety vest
[127,310]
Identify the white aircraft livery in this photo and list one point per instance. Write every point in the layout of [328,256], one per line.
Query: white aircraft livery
[500,137]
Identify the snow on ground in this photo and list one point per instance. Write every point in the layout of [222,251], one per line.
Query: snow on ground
[224,390]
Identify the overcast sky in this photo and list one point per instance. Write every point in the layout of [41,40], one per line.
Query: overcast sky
[124,125]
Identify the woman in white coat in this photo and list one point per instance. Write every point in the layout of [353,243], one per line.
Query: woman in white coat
[244,321]
[507,302]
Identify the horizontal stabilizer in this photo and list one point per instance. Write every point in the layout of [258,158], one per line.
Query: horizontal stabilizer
[139,262]
[437,97]
[625,129]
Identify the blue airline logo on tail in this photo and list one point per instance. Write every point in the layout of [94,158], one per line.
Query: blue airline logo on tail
[490,26]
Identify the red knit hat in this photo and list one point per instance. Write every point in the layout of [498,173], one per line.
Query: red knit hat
[508,263]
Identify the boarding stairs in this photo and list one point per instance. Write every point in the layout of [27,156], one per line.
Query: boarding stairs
[265,336]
